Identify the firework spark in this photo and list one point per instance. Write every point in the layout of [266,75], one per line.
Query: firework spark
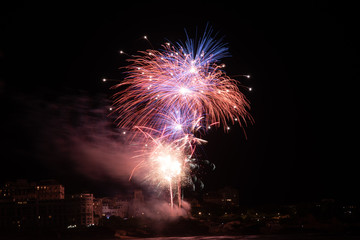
[171,95]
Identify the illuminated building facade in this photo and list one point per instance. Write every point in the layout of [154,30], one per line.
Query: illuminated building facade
[25,205]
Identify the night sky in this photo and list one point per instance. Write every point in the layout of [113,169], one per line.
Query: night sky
[304,63]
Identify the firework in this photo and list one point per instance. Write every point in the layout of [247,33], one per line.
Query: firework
[172,95]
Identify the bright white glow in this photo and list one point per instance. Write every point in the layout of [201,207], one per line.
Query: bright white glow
[193,69]
[228,128]
[184,90]
[169,166]
[124,133]
[178,126]
[250,89]
[248,76]
[110,108]
[121,51]
[145,37]
[104,79]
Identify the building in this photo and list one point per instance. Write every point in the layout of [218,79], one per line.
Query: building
[86,201]
[112,206]
[22,190]
[27,205]
[123,206]
[229,197]
[59,213]
[49,190]
[137,205]
[138,196]
[97,208]
[226,197]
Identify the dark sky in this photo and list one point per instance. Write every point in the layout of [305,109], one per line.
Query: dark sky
[304,63]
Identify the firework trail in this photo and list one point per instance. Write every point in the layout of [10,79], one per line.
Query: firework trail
[172,95]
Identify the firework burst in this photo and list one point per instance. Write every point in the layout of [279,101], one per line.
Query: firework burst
[171,95]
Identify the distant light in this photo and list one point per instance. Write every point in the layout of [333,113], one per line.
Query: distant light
[121,52]
[228,128]
[209,127]
[110,108]
[104,79]
[178,126]
[124,132]
[236,119]
[248,76]
[250,89]
[145,37]
[71,226]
